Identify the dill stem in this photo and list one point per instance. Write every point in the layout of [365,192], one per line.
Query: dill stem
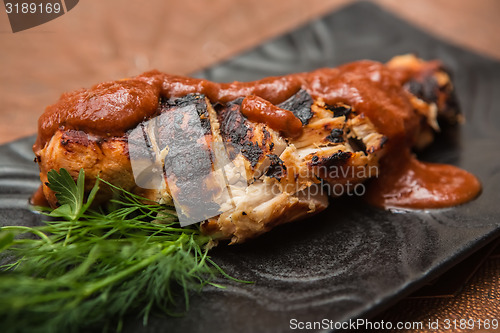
[130,270]
[45,298]
[28,229]
[85,292]
[68,234]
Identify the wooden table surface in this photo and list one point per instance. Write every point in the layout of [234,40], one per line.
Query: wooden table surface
[103,40]
[112,39]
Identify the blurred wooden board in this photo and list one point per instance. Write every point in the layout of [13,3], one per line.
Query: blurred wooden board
[104,40]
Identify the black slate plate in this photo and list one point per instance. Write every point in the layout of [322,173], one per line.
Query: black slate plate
[351,261]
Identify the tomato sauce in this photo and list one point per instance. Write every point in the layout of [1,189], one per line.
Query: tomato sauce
[406,182]
[259,110]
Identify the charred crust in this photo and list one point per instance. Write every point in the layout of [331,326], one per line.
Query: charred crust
[339,110]
[236,101]
[336,135]
[426,89]
[429,90]
[300,105]
[194,100]
[277,168]
[337,159]
[414,87]
[450,108]
[182,101]
[236,132]
[266,137]
[357,144]
[315,159]
[252,152]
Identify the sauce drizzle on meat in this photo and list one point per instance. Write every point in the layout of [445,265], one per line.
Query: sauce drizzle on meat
[110,109]
[259,110]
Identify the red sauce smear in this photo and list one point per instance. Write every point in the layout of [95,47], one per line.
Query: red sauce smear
[259,110]
[110,109]
[405,182]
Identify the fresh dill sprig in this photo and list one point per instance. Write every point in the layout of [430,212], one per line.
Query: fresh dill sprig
[91,267]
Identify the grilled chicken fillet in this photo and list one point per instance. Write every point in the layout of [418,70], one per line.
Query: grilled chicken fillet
[264,152]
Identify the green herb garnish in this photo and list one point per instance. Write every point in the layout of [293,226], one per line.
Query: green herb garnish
[91,267]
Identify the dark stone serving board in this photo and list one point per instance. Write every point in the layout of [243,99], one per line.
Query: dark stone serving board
[351,261]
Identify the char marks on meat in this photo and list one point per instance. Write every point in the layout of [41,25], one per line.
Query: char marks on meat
[300,105]
[237,132]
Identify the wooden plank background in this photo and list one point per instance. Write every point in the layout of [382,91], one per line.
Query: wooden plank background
[112,39]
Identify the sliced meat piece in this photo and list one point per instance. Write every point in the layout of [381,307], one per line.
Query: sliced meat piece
[254,141]
[431,93]
[260,207]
